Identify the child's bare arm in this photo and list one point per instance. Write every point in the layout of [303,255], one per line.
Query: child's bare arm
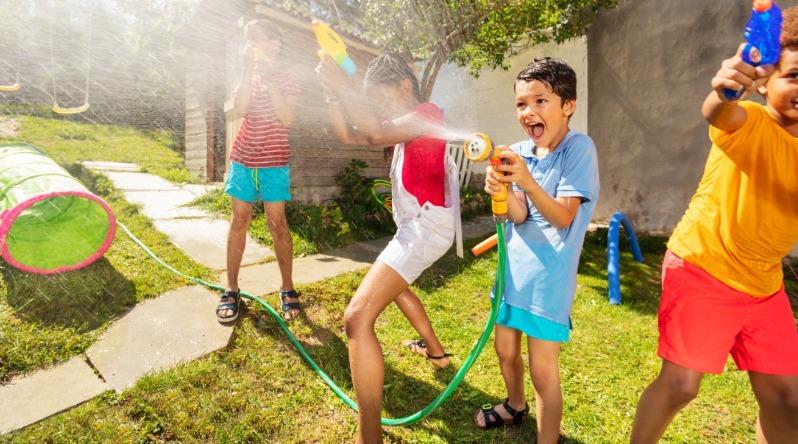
[349,109]
[734,74]
[336,86]
[399,130]
[559,211]
[283,105]
[343,130]
[244,91]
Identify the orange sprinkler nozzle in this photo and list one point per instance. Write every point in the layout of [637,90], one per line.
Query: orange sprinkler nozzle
[478,147]
[485,245]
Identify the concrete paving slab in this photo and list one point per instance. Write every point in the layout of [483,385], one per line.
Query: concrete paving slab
[166,204]
[112,166]
[157,334]
[481,226]
[205,241]
[34,397]
[375,246]
[199,190]
[265,278]
[126,181]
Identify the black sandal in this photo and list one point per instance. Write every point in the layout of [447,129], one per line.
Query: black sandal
[232,306]
[493,419]
[419,344]
[288,306]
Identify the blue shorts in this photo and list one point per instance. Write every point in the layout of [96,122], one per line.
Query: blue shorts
[258,184]
[534,326]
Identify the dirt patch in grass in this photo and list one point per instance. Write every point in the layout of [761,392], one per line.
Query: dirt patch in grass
[8,127]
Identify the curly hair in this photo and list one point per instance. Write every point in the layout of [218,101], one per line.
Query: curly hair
[789,28]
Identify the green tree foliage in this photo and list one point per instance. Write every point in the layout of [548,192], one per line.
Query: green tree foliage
[473,33]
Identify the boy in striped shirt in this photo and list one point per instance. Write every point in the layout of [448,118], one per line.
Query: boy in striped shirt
[259,170]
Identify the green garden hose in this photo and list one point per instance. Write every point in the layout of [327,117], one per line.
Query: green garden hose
[421,414]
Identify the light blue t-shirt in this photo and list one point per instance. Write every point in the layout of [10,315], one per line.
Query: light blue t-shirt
[542,259]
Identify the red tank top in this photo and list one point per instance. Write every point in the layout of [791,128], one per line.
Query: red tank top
[423,171]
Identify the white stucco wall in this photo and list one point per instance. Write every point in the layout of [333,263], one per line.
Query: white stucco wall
[487,104]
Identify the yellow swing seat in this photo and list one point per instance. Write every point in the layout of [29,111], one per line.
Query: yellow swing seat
[58,109]
[10,88]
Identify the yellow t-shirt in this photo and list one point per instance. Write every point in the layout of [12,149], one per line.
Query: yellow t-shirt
[743,219]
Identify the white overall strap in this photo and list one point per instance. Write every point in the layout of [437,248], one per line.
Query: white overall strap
[396,177]
[453,200]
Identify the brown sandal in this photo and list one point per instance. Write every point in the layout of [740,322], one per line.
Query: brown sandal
[420,348]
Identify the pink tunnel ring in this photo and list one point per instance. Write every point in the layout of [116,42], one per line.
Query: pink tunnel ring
[49,222]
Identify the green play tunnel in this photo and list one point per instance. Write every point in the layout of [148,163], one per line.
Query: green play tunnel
[49,222]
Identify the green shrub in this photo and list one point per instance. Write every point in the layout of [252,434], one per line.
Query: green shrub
[359,208]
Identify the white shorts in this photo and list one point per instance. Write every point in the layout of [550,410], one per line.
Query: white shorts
[419,242]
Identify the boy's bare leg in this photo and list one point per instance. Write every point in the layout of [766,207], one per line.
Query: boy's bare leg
[283,247]
[379,288]
[777,397]
[508,349]
[673,389]
[236,242]
[544,367]
[411,306]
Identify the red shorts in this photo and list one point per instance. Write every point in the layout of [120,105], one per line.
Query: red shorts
[702,320]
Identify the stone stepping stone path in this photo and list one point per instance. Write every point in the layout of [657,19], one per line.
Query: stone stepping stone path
[201,235]
[34,397]
[158,334]
[179,325]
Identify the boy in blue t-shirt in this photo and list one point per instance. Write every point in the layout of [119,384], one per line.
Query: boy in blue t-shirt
[555,188]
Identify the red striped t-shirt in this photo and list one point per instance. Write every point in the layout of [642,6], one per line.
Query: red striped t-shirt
[262,141]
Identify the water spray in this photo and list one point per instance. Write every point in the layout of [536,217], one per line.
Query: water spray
[476,145]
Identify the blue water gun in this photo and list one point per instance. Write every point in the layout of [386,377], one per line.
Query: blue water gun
[762,32]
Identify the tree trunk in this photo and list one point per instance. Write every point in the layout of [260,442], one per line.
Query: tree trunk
[431,73]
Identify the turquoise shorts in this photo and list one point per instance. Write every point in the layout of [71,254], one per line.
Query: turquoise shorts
[258,184]
[534,326]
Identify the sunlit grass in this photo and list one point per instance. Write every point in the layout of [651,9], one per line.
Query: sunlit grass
[259,390]
[48,319]
[69,142]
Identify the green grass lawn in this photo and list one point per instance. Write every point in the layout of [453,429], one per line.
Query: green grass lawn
[218,202]
[70,142]
[48,319]
[259,390]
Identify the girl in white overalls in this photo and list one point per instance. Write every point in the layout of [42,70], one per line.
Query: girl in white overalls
[424,231]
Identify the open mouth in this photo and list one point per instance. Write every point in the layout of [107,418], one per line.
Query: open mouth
[536,129]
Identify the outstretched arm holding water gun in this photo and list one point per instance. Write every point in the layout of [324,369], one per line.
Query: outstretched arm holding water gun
[734,73]
[369,118]
[747,70]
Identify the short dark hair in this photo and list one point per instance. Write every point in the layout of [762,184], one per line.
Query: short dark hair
[391,68]
[554,73]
